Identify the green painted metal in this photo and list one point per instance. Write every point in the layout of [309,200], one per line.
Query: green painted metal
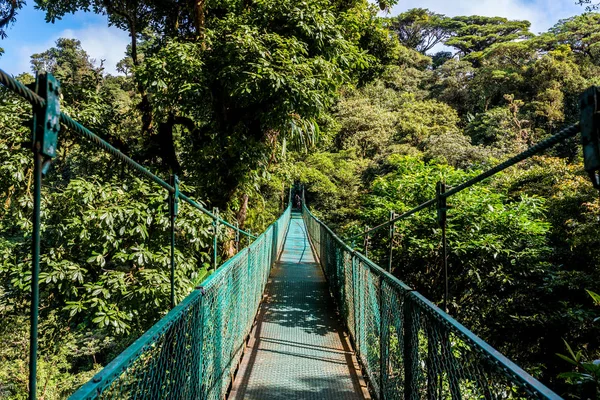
[193,351]
[35,271]
[392,234]
[297,348]
[237,238]
[561,136]
[173,211]
[366,241]
[408,347]
[215,237]
[45,137]
[46,123]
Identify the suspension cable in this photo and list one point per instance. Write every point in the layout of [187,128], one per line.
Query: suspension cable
[37,101]
[566,133]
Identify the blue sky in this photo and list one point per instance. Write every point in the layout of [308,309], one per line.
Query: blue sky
[31,34]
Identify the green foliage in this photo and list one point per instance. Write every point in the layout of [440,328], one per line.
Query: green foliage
[580,34]
[365,126]
[417,120]
[265,75]
[452,84]
[9,9]
[61,353]
[501,128]
[472,35]
[421,29]
[332,182]
[587,375]
[455,149]
[241,99]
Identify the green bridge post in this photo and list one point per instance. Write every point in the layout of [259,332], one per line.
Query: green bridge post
[392,233]
[45,129]
[366,241]
[411,343]
[173,211]
[215,237]
[237,236]
[384,330]
[442,209]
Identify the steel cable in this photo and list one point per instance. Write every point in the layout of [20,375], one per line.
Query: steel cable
[37,101]
[564,134]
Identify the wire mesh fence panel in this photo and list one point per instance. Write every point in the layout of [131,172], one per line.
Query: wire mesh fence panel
[347,303]
[408,347]
[392,342]
[193,351]
[451,365]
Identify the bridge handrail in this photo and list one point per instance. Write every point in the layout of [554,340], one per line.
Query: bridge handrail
[186,359]
[373,290]
[564,134]
[39,102]
[47,120]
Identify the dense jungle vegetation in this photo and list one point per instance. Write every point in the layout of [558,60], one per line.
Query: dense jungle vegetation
[241,98]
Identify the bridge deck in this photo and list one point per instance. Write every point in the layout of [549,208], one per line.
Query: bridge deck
[297,349]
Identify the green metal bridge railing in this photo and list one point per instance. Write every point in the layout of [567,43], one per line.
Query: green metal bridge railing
[193,351]
[589,127]
[408,347]
[206,329]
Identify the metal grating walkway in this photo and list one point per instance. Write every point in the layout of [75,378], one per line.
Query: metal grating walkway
[297,349]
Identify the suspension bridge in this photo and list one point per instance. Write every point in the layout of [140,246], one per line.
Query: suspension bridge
[298,313]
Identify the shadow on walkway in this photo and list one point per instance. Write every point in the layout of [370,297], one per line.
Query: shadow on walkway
[297,349]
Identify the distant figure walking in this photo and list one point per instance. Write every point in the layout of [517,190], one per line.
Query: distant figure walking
[298,201]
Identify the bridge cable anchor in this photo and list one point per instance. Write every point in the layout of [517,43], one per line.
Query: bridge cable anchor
[46,120]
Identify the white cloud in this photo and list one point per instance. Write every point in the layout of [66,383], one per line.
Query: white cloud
[99,41]
[542,14]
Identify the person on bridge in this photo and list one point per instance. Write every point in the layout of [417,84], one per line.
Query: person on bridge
[298,201]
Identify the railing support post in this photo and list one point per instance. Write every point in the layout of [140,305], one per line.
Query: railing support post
[442,220]
[411,350]
[384,347]
[46,126]
[355,302]
[274,244]
[392,232]
[366,241]
[215,237]
[35,271]
[237,236]
[173,211]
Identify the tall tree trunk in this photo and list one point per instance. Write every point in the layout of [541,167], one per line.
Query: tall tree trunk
[199,20]
[164,147]
[133,32]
